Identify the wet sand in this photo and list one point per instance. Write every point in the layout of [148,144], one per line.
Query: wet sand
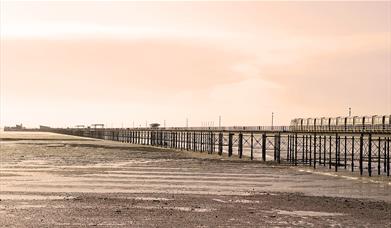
[57,180]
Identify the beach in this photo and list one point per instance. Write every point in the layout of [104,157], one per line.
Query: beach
[50,180]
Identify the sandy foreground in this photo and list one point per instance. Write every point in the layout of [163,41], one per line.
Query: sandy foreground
[51,180]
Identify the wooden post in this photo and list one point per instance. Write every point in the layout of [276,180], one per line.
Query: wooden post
[165,138]
[352,154]
[388,156]
[295,143]
[252,146]
[275,148]
[315,150]
[240,145]
[336,152]
[187,141]
[177,141]
[379,157]
[345,149]
[221,143]
[194,141]
[201,142]
[361,154]
[161,138]
[264,147]
[385,155]
[310,159]
[370,154]
[288,150]
[324,150]
[212,142]
[305,149]
[230,144]
[278,146]
[330,148]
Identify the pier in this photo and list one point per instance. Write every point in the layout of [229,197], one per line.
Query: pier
[366,151]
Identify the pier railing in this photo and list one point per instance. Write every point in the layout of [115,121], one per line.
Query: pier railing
[386,129]
[364,151]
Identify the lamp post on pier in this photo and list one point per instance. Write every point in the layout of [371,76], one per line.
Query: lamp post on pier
[272,119]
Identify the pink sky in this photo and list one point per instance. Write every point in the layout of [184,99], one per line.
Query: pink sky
[68,63]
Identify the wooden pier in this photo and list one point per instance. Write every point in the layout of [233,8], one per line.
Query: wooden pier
[365,151]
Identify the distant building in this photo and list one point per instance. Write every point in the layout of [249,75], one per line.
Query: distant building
[97,125]
[154,125]
[18,127]
[42,127]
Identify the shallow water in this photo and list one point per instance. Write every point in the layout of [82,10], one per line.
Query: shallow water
[308,213]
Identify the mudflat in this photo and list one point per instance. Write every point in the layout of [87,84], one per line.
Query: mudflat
[57,180]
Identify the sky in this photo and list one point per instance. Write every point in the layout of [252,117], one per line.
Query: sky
[131,63]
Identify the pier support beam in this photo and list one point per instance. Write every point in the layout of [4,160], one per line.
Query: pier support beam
[240,145]
[264,147]
[220,143]
[230,136]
